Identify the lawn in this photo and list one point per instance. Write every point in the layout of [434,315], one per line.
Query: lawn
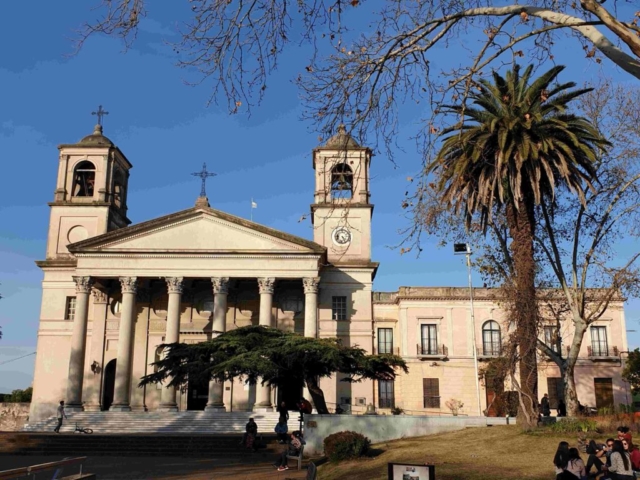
[483,453]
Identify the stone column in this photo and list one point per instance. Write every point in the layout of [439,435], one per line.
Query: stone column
[266,287]
[122,390]
[172,335]
[95,373]
[311,306]
[220,294]
[78,345]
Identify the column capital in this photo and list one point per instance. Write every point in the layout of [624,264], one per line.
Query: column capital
[83,284]
[266,285]
[220,284]
[175,284]
[98,296]
[129,284]
[310,284]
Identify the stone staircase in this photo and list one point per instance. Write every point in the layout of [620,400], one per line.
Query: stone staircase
[165,423]
[224,447]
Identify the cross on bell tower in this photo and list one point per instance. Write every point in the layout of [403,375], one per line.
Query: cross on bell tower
[100,113]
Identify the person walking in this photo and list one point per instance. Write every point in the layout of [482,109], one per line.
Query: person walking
[284,412]
[60,414]
[281,430]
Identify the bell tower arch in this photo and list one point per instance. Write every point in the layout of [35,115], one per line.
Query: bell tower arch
[341,212]
[91,192]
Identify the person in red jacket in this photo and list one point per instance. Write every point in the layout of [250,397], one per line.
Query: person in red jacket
[634,453]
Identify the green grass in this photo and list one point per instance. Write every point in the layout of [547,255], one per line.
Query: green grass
[483,453]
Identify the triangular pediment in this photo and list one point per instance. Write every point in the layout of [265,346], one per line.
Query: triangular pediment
[197,230]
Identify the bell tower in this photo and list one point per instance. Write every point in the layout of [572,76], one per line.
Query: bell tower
[91,192]
[341,212]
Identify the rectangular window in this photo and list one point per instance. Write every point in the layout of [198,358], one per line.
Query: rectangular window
[339,308]
[555,389]
[551,337]
[385,394]
[599,347]
[70,308]
[429,336]
[385,340]
[431,392]
[604,392]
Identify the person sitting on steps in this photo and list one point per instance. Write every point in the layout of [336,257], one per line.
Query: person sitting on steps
[250,435]
[293,449]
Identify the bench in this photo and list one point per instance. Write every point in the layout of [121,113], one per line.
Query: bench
[298,457]
[312,471]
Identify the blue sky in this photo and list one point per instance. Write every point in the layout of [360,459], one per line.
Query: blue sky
[166,130]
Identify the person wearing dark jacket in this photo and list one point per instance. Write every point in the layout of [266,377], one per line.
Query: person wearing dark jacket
[283,411]
[544,406]
[250,435]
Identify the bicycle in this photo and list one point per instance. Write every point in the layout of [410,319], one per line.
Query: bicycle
[82,430]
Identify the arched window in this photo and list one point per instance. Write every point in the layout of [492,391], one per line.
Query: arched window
[118,189]
[491,345]
[84,178]
[341,181]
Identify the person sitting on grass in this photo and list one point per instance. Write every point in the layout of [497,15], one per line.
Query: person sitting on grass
[621,468]
[576,465]
[282,429]
[634,453]
[598,455]
[293,449]
[561,459]
[622,431]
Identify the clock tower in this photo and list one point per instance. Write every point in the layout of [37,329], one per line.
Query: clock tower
[341,212]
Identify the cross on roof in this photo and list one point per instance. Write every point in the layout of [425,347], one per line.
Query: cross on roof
[203,175]
[100,113]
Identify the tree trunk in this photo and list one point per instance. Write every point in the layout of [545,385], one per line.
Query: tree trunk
[525,310]
[317,395]
[568,369]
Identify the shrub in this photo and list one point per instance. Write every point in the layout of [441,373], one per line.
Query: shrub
[574,425]
[345,445]
[454,405]
[397,411]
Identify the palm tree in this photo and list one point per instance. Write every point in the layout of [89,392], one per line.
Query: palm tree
[515,144]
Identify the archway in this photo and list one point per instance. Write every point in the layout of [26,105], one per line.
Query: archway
[109,384]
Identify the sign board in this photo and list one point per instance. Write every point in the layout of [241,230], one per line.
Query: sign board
[402,471]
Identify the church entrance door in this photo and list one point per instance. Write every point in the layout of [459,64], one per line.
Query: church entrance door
[198,394]
[290,394]
[109,384]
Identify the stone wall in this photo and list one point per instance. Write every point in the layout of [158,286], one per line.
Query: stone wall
[13,416]
[380,428]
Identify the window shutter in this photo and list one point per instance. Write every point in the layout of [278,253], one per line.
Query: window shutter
[431,391]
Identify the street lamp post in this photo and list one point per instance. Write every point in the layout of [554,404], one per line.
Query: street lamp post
[465,249]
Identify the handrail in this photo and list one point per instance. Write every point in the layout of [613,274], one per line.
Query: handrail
[42,467]
[14,473]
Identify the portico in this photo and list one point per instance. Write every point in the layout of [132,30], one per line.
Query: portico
[270,259]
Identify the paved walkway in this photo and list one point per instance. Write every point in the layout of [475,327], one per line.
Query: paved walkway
[252,467]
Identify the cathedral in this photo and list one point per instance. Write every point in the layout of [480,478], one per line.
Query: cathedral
[113,292]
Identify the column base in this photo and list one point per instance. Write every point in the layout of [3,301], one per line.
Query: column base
[120,408]
[74,408]
[263,408]
[167,408]
[215,408]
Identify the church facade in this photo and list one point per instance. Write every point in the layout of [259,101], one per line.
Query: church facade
[112,293]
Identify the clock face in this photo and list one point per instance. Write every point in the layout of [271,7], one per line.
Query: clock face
[341,236]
